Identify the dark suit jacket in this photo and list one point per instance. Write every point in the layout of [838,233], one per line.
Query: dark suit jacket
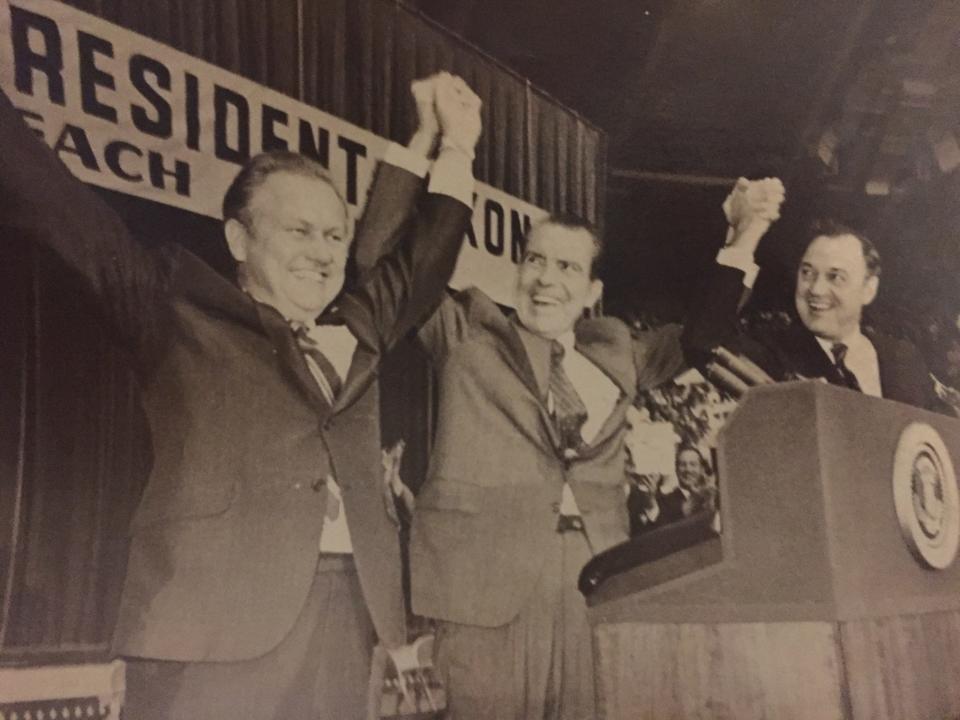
[225,540]
[793,351]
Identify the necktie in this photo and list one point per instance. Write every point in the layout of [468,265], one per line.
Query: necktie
[847,378]
[569,412]
[329,382]
[320,367]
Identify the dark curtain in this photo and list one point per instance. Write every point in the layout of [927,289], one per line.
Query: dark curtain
[74,459]
[74,449]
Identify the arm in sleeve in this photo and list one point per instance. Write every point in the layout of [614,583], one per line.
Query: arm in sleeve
[391,201]
[43,201]
[409,282]
[713,320]
[658,356]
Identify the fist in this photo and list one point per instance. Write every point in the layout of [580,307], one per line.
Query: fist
[424,98]
[754,200]
[458,110]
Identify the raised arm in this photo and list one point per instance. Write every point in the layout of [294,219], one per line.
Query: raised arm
[410,280]
[398,183]
[751,208]
[42,201]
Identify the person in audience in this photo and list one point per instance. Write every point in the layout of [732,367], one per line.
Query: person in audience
[262,557]
[838,276]
[675,496]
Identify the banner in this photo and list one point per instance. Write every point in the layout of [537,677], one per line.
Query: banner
[127,113]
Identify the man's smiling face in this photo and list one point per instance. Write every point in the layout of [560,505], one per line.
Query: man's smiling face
[833,286]
[294,246]
[554,281]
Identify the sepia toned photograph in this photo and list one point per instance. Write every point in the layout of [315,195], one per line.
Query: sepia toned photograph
[459,360]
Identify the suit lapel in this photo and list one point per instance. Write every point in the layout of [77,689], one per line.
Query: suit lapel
[290,357]
[809,359]
[529,357]
[604,343]
[363,365]
[889,370]
[198,281]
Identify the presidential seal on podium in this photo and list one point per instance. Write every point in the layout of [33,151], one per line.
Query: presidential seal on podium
[925,495]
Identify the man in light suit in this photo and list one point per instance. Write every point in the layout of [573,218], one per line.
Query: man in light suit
[527,476]
[262,557]
[838,276]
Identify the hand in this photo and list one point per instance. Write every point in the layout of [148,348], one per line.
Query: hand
[750,208]
[458,110]
[423,91]
[753,201]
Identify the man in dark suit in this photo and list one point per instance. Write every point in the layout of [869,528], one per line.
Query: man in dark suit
[837,278]
[262,558]
[676,496]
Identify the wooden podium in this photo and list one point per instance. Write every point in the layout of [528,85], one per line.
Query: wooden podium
[816,607]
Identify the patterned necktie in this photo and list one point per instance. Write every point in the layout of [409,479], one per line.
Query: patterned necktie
[569,412]
[320,367]
[847,378]
[329,382]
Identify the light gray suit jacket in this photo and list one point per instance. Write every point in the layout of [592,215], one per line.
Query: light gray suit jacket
[488,510]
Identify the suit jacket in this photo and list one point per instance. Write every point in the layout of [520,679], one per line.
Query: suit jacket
[225,540]
[488,511]
[793,351]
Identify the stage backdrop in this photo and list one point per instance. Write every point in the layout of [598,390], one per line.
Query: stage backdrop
[157,104]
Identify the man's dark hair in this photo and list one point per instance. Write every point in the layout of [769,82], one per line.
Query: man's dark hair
[236,202]
[687,447]
[571,221]
[828,227]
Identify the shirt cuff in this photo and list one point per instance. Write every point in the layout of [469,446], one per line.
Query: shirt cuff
[452,175]
[741,260]
[406,159]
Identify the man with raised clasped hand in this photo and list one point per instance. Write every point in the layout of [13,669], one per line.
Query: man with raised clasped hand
[263,562]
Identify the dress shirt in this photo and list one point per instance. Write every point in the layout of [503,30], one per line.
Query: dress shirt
[450,175]
[599,395]
[741,259]
[861,360]
[597,391]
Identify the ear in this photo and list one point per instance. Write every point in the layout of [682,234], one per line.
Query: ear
[596,290]
[237,239]
[870,287]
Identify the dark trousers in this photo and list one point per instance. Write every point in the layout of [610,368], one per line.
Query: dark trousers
[320,670]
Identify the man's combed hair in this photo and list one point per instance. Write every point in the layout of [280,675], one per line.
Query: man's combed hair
[236,202]
[572,221]
[829,227]
[689,447]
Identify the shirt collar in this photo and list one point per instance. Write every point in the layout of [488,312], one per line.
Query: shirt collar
[331,315]
[569,341]
[854,341]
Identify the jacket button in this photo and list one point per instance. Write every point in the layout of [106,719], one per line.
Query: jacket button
[555,507]
[318,484]
[297,486]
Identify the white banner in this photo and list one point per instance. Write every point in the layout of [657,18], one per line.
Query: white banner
[130,114]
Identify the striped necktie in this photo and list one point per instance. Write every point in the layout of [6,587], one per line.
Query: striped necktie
[320,367]
[569,412]
[847,378]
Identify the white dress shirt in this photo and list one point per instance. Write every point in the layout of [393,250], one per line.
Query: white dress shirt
[599,395]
